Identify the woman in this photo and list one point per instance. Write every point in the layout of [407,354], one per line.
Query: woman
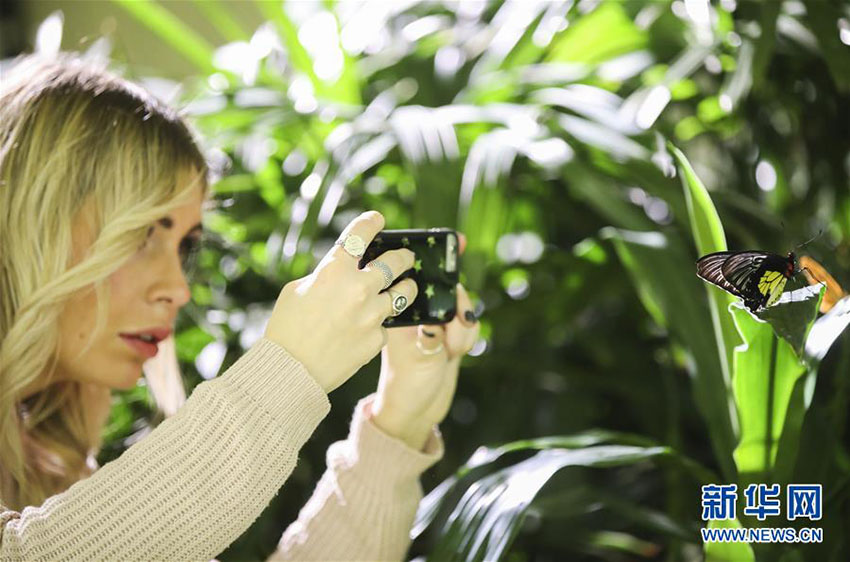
[101,193]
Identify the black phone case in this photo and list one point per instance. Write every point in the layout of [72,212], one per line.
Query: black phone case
[436,279]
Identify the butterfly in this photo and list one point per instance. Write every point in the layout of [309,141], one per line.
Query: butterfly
[757,277]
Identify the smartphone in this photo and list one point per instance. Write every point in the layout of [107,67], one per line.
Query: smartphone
[436,272]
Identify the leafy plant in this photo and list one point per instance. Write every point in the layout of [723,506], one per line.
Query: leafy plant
[766,368]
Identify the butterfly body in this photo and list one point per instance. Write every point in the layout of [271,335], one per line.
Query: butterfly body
[755,276]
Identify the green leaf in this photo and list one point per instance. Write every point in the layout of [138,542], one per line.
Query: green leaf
[487,456]
[767,39]
[793,316]
[230,228]
[688,128]
[489,515]
[173,31]
[345,89]
[120,421]
[765,372]
[219,16]
[709,110]
[793,320]
[707,231]
[623,542]
[201,296]
[590,250]
[645,517]
[661,271]
[604,33]
[235,183]
[823,18]
[483,223]
[189,343]
[789,442]
[605,197]
[740,81]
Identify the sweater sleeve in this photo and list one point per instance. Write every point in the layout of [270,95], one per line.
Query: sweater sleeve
[195,483]
[364,505]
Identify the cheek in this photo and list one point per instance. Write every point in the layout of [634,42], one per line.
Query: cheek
[125,287]
[121,282]
[78,317]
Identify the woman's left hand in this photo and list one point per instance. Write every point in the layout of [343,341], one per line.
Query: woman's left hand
[415,390]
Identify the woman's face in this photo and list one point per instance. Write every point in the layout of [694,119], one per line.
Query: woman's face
[146,293]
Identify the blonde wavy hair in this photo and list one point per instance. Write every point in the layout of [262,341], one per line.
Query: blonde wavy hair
[72,132]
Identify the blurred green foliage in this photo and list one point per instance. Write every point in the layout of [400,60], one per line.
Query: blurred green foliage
[540,131]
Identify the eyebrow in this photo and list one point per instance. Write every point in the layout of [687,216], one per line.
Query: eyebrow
[167,222]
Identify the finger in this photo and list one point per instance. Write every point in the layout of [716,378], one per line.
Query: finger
[406,288]
[430,338]
[461,333]
[472,336]
[462,242]
[402,335]
[366,225]
[398,261]
[460,339]
[465,308]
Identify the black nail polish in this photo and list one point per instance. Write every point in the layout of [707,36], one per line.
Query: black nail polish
[470,316]
[427,333]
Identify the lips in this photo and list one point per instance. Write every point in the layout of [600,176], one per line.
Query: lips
[146,349]
[157,334]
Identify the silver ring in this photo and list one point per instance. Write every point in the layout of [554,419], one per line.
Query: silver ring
[353,244]
[388,273]
[438,349]
[399,303]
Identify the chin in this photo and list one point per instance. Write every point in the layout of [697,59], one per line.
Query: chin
[127,382]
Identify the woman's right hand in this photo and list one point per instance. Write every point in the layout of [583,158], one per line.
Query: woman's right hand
[331,320]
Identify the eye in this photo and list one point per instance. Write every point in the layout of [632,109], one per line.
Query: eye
[147,237]
[189,250]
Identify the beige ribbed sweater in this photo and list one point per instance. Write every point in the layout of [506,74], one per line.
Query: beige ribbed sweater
[201,478]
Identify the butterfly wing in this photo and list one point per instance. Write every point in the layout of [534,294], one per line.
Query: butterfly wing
[760,276]
[741,269]
[710,268]
[771,286]
[773,276]
[757,277]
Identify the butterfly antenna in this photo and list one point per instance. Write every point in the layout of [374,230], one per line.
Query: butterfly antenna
[812,239]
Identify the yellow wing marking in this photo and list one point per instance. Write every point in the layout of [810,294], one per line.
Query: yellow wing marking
[767,281]
[771,285]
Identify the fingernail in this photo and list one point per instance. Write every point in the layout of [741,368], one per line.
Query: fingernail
[427,333]
[470,316]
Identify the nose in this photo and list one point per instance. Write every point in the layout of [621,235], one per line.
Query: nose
[171,284]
